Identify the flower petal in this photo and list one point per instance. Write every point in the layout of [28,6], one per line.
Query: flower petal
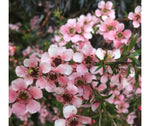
[33,106]
[18,109]
[60,122]
[21,71]
[18,84]
[69,110]
[35,92]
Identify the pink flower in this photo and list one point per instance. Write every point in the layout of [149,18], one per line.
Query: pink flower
[34,23]
[50,29]
[23,97]
[105,27]
[136,17]
[69,31]
[71,119]
[122,107]
[12,49]
[69,96]
[105,10]
[130,118]
[119,36]
[31,70]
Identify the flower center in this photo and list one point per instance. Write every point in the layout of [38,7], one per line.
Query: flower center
[110,27]
[72,122]
[80,81]
[67,97]
[34,72]
[119,35]
[57,61]
[137,17]
[105,10]
[24,95]
[88,60]
[52,76]
[71,30]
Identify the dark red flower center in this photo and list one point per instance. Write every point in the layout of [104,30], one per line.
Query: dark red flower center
[57,61]
[73,122]
[34,72]
[52,76]
[24,95]
[67,97]
[88,60]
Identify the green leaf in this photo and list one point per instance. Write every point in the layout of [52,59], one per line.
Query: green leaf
[128,71]
[134,60]
[132,42]
[98,68]
[136,53]
[105,57]
[111,108]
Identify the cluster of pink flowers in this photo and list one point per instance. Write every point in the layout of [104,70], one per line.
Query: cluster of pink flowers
[69,71]
[12,49]
[15,27]
[34,23]
[136,17]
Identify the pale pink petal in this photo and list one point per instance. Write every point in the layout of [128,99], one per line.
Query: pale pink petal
[12,95]
[51,87]
[67,55]
[77,102]
[131,16]
[77,38]
[18,109]
[72,89]
[60,122]
[59,90]
[45,67]
[18,84]
[85,120]
[87,92]
[28,80]
[102,27]
[127,33]
[95,106]
[81,69]
[136,24]
[87,49]
[30,62]
[120,27]
[35,92]
[100,53]
[104,79]
[109,5]
[116,54]
[41,82]
[64,69]
[88,77]
[53,50]
[63,80]
[98,13]
[69,111]
[117,44]
[21,71]
[138,9]
[45,58]
[87,35]
[101,4]
[33,106]
[102,87]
